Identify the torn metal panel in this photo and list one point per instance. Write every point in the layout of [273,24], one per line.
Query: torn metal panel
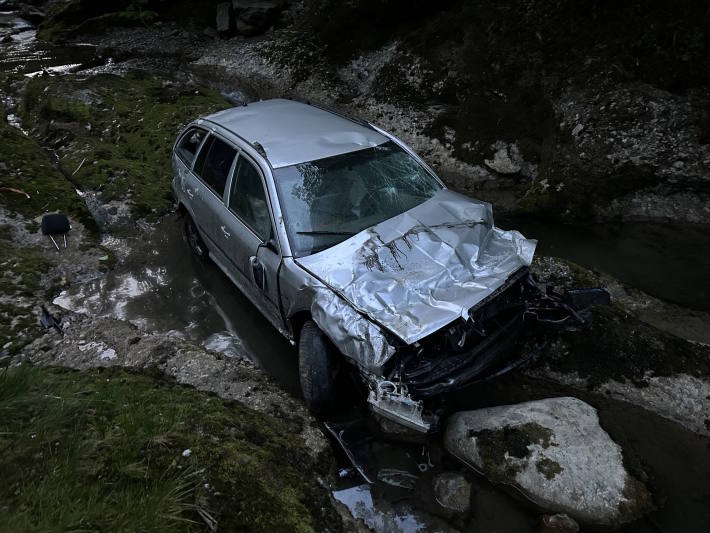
[354,335]
[415,273]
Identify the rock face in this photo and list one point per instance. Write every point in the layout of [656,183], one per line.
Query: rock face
[453,491]
[224,17]
[555,453]
[255,16]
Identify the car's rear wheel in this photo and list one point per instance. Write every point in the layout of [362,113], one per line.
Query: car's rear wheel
[318,368]
[194,240]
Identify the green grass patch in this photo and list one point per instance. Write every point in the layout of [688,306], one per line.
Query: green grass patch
[103,450]
[21,273]
[121,127]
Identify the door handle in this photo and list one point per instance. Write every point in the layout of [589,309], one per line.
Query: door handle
[258,272]
[225,232]
[189,193]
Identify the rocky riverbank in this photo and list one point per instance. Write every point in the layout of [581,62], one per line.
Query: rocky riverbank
[92,140]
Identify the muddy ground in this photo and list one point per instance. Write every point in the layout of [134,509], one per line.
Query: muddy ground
[87,130]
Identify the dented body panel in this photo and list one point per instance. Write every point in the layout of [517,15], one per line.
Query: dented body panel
[418,272]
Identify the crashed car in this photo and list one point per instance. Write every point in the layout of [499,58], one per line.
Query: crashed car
[353,248]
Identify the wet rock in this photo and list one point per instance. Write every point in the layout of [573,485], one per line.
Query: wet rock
[224,17]
[558,523]
[255,16]
[555,453]
[506,160]
[453,491]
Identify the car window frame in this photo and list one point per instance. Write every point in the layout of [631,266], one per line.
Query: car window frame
[228,196]
[190,165]
[227,183]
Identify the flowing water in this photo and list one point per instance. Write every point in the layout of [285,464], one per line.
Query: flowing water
[159,286]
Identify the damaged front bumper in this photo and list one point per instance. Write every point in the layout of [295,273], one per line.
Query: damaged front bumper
[478,349]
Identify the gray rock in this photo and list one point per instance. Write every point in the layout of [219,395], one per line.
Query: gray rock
[224,17]
[558,523]
[555,453]
[506,159]
[453,491]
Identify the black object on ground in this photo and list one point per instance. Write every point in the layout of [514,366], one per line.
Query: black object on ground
[583,298]
[56,224]
[48,320]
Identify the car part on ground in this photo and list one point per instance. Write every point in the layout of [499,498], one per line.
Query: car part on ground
[55,224]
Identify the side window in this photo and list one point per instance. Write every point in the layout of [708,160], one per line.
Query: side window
[214,162]
[190,142]
[248,200]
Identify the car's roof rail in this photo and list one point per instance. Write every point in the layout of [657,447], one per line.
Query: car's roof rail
[256,145]
[333,110]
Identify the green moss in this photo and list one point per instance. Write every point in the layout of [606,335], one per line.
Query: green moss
[638,500]
[122,128]
[497,446]
[103,450]
[548,467]
[28,168]
[21,274]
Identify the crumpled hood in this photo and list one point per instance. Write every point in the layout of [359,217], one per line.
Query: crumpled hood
[423,269]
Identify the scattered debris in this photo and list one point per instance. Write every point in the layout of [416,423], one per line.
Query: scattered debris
[13,189]
[397,478]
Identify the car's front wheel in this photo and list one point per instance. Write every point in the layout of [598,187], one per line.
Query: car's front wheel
[318,368]
[194,240]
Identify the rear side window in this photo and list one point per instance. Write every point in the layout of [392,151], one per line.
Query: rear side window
[247,199]
[190,142]
[214,162]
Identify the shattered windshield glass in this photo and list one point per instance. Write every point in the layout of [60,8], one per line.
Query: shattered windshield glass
[326,201]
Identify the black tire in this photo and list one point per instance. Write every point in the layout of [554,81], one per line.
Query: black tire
[318,368]
[194,240]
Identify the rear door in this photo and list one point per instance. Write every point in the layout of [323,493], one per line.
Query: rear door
[212,168]
[247,236]
[184,156]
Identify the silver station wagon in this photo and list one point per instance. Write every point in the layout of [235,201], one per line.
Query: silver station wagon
[353,248]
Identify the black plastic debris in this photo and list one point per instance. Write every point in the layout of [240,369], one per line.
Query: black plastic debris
[56,224]
[583,298]
[49,321]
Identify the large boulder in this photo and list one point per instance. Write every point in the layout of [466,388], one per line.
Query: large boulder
[555,453]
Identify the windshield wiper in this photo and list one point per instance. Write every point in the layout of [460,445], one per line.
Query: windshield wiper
[325,232]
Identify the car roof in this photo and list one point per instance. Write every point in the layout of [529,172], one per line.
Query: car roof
[293,132]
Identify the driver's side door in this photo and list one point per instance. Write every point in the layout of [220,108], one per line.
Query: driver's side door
[247,239]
